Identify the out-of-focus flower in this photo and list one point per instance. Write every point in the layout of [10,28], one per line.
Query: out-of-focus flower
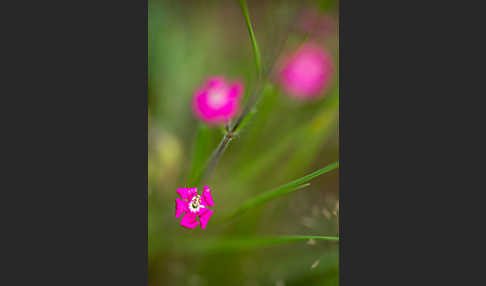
[217,101]
[192,206]
[307,72]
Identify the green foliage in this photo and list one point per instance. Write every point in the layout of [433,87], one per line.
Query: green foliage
[278,140]
[213,245]
[295,185]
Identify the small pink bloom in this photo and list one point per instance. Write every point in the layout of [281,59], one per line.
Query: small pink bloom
[192,206]
[216,101]
[307,72]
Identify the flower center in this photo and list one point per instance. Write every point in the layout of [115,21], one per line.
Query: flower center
[216,98]
[195,204]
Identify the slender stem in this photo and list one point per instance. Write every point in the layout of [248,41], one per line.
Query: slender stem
[231,130]
[215,156]
[254,43]
[249,105]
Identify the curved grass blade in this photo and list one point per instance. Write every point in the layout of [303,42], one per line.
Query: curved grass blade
[246,243]
[254,43]
[282,190]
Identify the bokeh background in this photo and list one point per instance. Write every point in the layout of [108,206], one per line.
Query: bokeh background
[284,139]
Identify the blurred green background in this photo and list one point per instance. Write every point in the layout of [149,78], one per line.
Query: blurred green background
[283,140]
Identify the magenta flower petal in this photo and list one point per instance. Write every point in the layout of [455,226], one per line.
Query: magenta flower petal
[204,216]
[207,199]
[189,220]
[187,193]
[214,81]
[236,90]
[181,207]
[216,101]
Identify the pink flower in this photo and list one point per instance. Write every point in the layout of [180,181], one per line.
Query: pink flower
[216,101]
[193,205]
[307,72]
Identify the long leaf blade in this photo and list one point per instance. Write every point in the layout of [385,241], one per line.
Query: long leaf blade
[256,49]
[282,190]
[246,243]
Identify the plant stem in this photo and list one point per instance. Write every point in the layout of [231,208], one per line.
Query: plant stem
[256,50]
[215,156]
[231,130]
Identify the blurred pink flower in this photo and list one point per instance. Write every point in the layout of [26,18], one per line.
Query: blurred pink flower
[193,205]
[307,72]
[216,101]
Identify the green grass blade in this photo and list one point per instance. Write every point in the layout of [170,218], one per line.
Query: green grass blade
[245,243]
[254,43]
[282,190]
[260,199]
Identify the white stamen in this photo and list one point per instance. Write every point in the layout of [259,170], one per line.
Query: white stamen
[195,204]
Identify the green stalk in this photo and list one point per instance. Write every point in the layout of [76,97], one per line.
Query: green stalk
[231,130]
[254,43]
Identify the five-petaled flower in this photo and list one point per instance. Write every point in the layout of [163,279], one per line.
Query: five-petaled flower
[193,205]
[217,101]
